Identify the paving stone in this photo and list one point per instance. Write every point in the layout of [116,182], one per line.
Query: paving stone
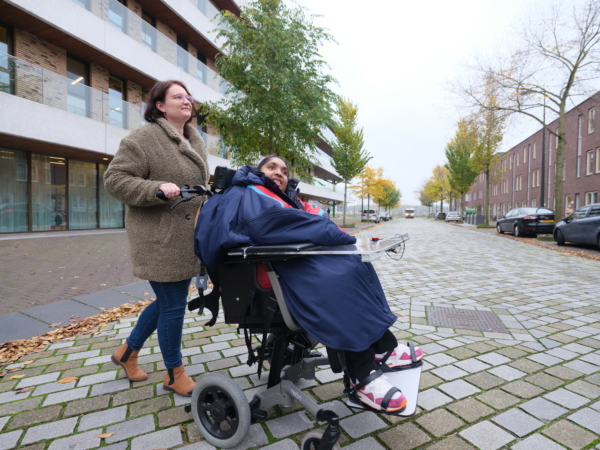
[22,405]
[506,372]
[459,389]
[594,379]
[169,438]
[543,409]
[517,422]
[566,399]
[150,406]
[432,398]
[9,440]
[364,444]
[102,418]
[256,436]
[486,436]
[578,348]
[526,365]
[544,359]
[470,410]
[130,428]
[51,430]
[493,359]
[98,378]
[80,371]
[582,366]
[83,355]
[428,380]
[563,372]
[480,347]
[512,353]
[87,405]
[562,354]
[440,359]
[82,441]
[498,399]
[329,391]
[545,381]
[40,379]
[67,396]
[362,424]
[440,422]
[133,395]
[537,442]
[461,353]
[404,437]
[27,419]
[451,443]
[522,389]
[449,373]
[484,380]
[173,416]
[550,343]
[110,387]
[287,425]
[584,388]
[587,418]
[472,365]
[569,435]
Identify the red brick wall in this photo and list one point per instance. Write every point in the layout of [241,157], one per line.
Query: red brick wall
[40,52]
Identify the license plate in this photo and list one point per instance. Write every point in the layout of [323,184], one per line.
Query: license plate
[546,221]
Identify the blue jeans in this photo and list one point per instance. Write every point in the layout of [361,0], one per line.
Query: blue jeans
[165,314]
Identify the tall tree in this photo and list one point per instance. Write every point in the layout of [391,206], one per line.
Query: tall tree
[486,156]
[424,199]
[438,188]
[556,57]
[459,153]
[349,158]
[271,55]
[369,184]
[390,195]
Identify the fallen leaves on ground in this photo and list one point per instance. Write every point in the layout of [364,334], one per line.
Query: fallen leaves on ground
[15,377]
[24,391]
[68,380]
[13,351]
[104,435]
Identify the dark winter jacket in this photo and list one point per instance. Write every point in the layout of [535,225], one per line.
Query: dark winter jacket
[336,299]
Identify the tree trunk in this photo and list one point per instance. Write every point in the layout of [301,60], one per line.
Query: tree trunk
[487,196]
[462,206]
[345,205]
[560,164]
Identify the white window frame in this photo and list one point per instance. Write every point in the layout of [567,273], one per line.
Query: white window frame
[589,162]
[591,120]
[591,198]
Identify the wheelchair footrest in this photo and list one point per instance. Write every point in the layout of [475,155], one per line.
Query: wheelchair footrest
[407,380]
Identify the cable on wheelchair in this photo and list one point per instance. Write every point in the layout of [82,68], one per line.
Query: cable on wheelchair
[397,250]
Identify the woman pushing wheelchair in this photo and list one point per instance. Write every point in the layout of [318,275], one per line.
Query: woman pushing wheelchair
[338,300]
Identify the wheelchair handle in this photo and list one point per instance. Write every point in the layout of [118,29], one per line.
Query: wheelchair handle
[186,193]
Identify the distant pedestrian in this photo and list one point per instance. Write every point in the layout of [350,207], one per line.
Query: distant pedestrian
[328,212]
[570,209]
[162,155]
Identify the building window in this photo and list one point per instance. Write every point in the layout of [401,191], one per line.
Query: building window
[524,155]
[14,203]
[6,83]
[77,90]
[534,150]
[117,13]
[83,205]
[590,162]
[149,37]
[591,197]
[83,3]
[598,160]
[577,202]
[569,205]
[182,54]
[49,193]
[579,143]
[591,120]
[116,106]
[518,156]
[533,203]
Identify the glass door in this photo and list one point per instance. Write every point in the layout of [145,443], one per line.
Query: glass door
[48,192]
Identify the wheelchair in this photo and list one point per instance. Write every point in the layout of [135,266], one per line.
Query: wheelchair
[252,298]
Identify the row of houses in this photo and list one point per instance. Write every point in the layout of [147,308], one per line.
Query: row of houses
[74,79]
[521,167]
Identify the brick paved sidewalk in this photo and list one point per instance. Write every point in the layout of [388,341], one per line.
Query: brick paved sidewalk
[537,386]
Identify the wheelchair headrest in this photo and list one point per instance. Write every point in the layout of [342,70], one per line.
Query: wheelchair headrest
[222,178]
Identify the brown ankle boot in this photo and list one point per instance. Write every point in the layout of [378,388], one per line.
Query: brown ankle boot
[178,382]
[128,360]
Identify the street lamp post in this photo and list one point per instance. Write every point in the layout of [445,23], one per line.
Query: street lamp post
[543,178]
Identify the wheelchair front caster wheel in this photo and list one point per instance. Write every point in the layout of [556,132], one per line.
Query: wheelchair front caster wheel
[312,441]
[220,410]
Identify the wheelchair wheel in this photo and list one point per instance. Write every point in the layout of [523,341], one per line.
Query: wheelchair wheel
[221,411]
[312,441]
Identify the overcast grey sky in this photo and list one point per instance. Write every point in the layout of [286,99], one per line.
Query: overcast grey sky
[392,57]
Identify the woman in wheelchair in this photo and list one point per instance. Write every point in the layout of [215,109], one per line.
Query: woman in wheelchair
[336,299]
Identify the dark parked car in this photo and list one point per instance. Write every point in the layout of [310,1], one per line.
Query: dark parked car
[581,227]
[440,216]
[523,221]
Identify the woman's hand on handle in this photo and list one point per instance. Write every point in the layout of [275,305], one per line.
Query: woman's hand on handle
[170,190]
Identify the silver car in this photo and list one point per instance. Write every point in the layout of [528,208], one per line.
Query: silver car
[453,216]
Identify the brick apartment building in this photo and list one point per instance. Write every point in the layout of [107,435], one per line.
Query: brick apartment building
[74,76]
[522,167]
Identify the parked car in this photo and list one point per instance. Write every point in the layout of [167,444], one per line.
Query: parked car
[370,215]
[440,216]
[524,221]
[453,216]
[383,216]
[581,227]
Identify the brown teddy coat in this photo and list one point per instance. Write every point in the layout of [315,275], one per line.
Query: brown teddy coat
[161,240]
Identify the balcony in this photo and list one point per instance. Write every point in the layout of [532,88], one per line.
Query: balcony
[124,20]
[23,79]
